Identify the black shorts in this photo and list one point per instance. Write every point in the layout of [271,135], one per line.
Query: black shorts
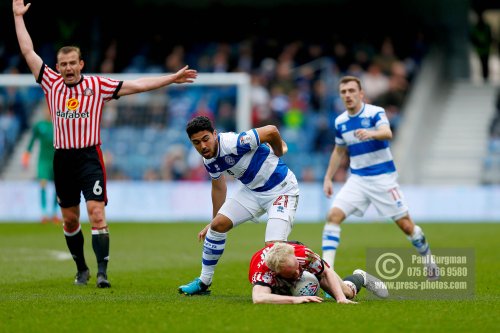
[79,171]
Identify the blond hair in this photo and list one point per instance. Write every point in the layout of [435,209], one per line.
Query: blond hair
[278,256]
[69,49]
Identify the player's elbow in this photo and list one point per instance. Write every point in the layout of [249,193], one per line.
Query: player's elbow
[272,128]
[386,133]
[258,298]
[260,295]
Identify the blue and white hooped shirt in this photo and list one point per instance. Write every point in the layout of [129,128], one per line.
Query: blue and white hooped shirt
[369,157]
[242,156]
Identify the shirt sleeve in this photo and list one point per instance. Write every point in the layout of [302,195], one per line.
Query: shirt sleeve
[109,88]
[381,119]
[246,141]
[314,262]
[339,139]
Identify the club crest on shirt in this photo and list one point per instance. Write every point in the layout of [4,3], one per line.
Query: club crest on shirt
[365,122]
[88,92]
[229,160]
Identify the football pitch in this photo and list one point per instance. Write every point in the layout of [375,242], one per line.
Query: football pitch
[149,261]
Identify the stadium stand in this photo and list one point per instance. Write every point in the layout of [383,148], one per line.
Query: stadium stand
[491,163]
[301,98]
[294,82]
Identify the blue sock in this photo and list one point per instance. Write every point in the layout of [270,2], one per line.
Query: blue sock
[213,248]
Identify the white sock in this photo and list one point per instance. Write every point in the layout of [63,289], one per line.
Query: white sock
[330,242]
[419,242]
[351,286]
[213,247]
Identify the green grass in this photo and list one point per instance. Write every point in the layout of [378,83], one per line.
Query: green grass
[149,261]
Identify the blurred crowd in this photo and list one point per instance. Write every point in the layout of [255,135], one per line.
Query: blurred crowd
[293,86]
[491,174]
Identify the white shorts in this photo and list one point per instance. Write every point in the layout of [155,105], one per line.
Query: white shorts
[247,205]
[382,191]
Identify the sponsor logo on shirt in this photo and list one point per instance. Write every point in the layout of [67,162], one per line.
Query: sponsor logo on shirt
[72,104]
[72,115]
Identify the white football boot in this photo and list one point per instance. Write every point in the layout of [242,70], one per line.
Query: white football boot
[372,284]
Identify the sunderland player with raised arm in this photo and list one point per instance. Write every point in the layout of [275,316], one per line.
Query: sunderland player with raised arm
[76,104]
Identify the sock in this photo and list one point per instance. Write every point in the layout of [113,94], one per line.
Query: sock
[355,280]
[419,242]
[213,247]
[43,201]
[330,242]
[74,240]
[100,244]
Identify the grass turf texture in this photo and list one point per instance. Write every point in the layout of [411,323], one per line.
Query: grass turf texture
[149,261]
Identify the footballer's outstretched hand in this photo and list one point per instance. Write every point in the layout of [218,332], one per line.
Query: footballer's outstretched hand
[346,301]
[307,299]
[19,8]
[185,75]
[203,233]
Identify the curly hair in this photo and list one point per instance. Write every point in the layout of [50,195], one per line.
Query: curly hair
[198,124]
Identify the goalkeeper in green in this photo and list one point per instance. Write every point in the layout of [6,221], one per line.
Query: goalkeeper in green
[43,133]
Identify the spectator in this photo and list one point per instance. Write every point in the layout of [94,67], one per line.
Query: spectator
[482,39]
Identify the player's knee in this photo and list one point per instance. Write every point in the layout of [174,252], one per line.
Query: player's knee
[405,224]
[221,224]
[96,215]
[335,216]
[70,223]
[71,218]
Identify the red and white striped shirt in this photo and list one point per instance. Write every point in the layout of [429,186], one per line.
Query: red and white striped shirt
[77,110]
[259,273]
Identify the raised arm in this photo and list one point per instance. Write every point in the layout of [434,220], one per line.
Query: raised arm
[184,75]
[270,134]
[23,37]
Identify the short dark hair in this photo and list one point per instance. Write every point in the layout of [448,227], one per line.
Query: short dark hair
[350,78]
[198,124]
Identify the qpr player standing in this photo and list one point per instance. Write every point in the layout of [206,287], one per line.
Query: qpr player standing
[267,185]
[362,134]
[76,104]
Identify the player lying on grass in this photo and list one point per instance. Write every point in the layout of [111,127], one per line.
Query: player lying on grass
[275,268]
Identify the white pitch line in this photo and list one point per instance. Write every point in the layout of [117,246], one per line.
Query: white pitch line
[27,254]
